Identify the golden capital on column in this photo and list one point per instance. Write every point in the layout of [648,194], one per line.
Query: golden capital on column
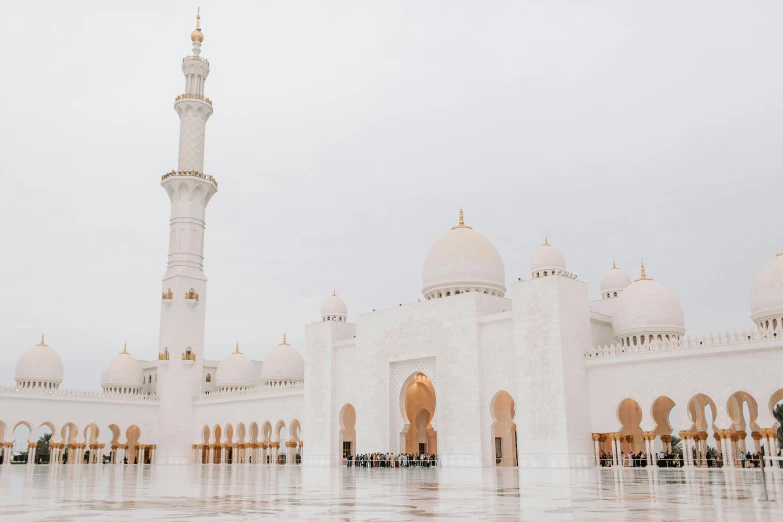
[596,437]
[756,435]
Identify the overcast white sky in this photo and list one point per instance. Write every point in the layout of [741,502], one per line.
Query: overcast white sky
[347,134]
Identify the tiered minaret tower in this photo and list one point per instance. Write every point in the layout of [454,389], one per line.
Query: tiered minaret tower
[184,288]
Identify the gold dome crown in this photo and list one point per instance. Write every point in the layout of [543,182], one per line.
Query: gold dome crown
[196,35]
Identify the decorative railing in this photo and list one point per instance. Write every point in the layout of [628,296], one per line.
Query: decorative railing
[77,394]
[195,58]
[190,173]
[191,295]
[690,342]
[253,391]
[193,97]
[163,356]
[167,295]
[188,356]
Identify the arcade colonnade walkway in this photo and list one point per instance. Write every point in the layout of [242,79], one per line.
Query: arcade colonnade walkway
[730,426]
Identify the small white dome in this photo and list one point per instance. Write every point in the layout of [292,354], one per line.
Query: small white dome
[647,308]
[547,259]
[766,291]
[613,282]
[123,371]
[334,309]
[235,371]
[39,365]
[283,364]
[463,260]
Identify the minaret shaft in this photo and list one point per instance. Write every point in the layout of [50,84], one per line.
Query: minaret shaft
[184,285]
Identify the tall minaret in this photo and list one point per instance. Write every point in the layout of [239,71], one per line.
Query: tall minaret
[184,287]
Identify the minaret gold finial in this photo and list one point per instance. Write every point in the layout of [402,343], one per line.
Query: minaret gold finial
[125,348]
[546,240]
[196,35]
[42,341]
[236,350]
[284,340]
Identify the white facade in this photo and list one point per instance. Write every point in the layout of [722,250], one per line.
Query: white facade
[481,372]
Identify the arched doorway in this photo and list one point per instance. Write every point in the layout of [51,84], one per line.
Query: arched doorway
[347,431]
[417,404]
[504,431]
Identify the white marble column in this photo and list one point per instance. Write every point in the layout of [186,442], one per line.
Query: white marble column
[596,450]
[615,455]
[648,450]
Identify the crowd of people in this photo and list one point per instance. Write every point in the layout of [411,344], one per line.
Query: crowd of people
[674,460]
[391,460]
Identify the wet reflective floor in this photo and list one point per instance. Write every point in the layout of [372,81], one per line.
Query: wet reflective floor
[251,492]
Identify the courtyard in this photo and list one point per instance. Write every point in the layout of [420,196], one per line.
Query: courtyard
[245,492]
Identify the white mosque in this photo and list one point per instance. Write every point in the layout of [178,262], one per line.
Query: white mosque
[481,372]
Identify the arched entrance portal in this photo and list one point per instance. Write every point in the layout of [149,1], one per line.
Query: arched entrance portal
[417,402]
[504,431]
[348,431]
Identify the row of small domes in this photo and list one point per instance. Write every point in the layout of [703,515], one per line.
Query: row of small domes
[41,366]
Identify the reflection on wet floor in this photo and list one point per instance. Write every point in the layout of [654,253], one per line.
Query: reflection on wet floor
[248,492]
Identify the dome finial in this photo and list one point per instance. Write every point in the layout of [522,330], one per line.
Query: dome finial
[125,348]
[196,35]
[334,292]
[284,340]
[42,341]
[614,264]
[461,220]
[236,350]
[546,240]
[644,275]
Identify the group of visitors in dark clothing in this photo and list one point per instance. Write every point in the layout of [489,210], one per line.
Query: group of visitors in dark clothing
[391,460]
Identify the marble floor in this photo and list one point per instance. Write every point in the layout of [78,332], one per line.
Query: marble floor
[245,492]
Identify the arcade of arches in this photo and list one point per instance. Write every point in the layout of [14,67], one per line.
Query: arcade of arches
[68,444]
[738,434]
[250,444]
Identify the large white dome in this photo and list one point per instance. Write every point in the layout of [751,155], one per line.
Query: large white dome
[546,260]
[614,282]
[766,292]
[39,366]
[283,364]
[647,308]
[334,309]
[123,373]
[235,371]
[463,260]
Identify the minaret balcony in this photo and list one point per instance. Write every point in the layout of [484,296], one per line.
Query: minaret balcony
[193,97]
[190,173]
[196,58]
[188,356]
[191,298]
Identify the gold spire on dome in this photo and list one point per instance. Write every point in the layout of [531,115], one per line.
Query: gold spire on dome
[125,348]
[644,275]
[196,35]
[236,350]
[284,341]
[546,240]
[461,220]
[42,343]
[614,264]
[334,292]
